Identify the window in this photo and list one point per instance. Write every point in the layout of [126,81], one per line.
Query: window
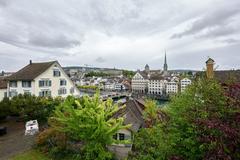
[45,93]
[115,136]
[63,82]
[13,93]
[62,91]
[45,83]
[13,83]
[72,90]
[121,136]
[56,73]
[26,84]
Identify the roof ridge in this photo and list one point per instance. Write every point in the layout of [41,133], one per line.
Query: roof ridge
[31,71]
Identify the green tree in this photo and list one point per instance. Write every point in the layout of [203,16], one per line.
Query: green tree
[179,137]
[91,121]
[30,107]
[4,108]
[128,74]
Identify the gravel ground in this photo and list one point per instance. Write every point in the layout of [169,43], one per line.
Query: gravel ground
[14,142]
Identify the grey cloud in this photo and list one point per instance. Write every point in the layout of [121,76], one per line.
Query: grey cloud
[135,29]
[100,60]
[226,57]
[230,41]
[219,32]
[4,3]
[210,21]
[59,41]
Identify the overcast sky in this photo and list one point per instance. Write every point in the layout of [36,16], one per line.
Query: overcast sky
[120,33]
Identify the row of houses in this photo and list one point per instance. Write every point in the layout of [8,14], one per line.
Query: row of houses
[40,79]
[158,84]
[109,84]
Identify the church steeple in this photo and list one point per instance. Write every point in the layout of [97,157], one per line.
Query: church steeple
[165,66]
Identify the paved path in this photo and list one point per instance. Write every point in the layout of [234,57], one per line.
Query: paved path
[14,142]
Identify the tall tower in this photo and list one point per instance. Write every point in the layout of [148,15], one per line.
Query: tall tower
[209,65]
[147,68]
[165,66]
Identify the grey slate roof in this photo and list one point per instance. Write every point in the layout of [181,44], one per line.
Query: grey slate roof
[228,75]
[156,77]
[143,74]
[223,76]
[133,114]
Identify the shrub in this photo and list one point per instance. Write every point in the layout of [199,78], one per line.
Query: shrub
[4,108]
[203,124]
[89,126]
[29,107]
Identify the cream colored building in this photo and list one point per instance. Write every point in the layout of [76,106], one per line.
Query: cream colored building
[156,85]
[41,79]
[184,83]
[172,87]
[140,82]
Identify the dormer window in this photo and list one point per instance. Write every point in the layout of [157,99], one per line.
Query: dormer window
[56,73]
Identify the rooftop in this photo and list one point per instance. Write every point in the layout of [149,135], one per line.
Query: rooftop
[31,71]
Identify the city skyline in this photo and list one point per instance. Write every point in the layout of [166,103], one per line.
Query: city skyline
[122,34]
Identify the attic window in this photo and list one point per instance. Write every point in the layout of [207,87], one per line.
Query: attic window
[56,73]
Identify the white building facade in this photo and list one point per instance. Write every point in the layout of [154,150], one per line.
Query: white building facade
[156,86]
[184,83]
[172,87]
[41,79]
[140,82]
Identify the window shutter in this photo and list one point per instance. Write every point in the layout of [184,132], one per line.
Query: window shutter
[40,83]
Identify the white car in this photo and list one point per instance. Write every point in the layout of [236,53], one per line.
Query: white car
[31,127]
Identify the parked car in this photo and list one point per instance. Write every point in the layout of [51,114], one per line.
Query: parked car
[31,127]
[3,131]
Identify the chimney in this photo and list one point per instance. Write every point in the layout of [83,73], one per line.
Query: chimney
[209,65]
[30,62]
